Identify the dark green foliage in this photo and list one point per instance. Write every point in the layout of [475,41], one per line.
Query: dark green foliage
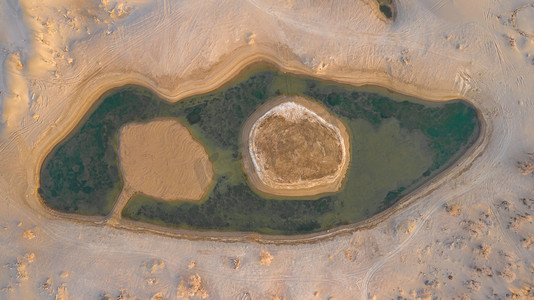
[386,10]
[235,207]
[394,195]
[193,115]
[450,128]
[81,174]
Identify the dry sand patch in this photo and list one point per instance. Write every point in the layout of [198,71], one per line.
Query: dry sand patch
[161,159]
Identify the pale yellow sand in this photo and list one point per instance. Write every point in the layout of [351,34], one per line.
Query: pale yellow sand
[162,160]
[59,56]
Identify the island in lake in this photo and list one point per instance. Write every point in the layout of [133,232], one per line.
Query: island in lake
[268,152]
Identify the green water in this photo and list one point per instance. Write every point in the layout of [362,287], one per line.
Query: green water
[396,144]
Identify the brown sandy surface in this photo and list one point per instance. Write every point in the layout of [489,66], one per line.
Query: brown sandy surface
[60,56]
[162,160]
[294,147]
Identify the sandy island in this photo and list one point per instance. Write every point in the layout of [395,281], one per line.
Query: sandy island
[162,160]
[293,146]
[466,234]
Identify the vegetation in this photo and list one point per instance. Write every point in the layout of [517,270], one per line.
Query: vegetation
[386,7]
[397,145]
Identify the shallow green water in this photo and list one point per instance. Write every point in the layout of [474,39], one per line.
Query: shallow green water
[396,145]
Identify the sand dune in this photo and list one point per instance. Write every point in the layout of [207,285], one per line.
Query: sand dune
[59,57]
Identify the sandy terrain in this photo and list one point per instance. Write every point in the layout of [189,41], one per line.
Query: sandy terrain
[162,160]
[467,234]
[294,147]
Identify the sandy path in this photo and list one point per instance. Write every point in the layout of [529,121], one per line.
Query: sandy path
[116,213]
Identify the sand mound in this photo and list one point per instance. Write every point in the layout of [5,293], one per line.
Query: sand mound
[295,147]
[522,20]
[161,159]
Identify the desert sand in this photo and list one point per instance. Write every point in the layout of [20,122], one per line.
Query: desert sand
[161,159]
[466,234]
[293,146]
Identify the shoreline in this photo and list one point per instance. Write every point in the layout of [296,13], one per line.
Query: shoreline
[45,146]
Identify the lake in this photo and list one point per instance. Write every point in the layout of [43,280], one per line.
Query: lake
[397,144]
